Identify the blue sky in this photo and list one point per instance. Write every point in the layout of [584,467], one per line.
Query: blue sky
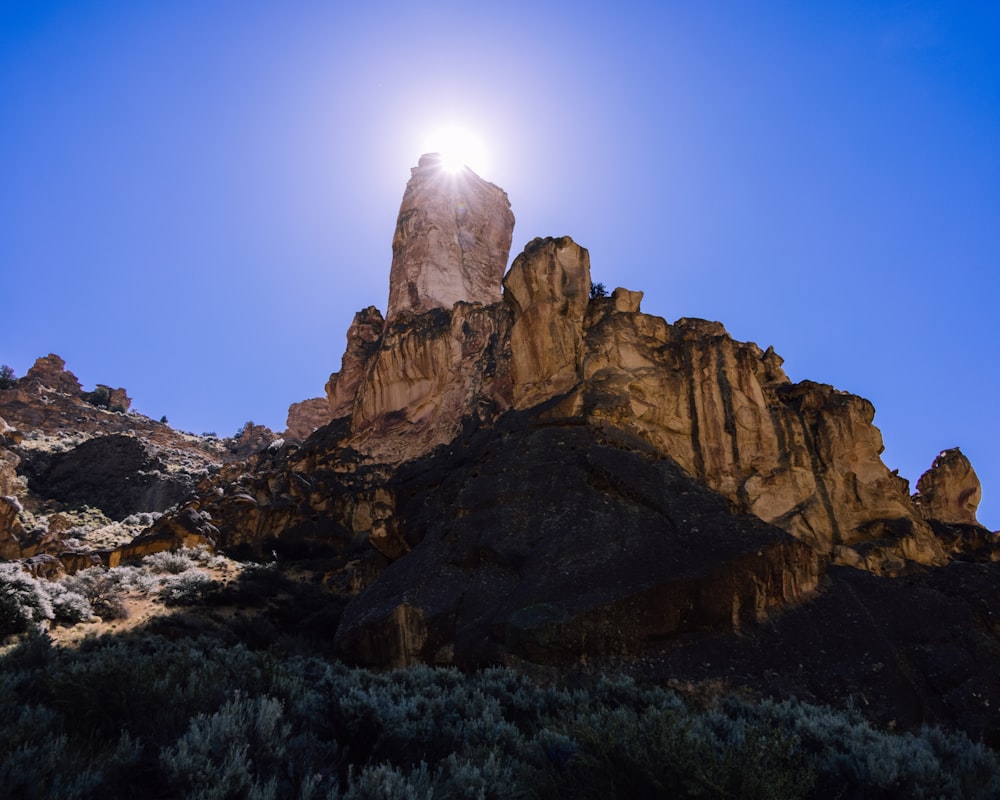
[195,197]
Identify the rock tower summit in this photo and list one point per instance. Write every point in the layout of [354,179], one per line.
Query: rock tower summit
[452,240]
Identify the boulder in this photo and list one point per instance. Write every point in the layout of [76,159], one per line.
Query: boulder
[949,491]
[117,474]
[307,416]
[452,240]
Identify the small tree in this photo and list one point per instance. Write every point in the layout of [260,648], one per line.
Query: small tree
[100,397]
[8,380]
[598,290]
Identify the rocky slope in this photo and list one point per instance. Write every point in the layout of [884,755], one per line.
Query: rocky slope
[507,468]
[81,474]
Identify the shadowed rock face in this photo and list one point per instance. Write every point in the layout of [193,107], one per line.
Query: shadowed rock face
[114,473]
[452,240]
[547,543]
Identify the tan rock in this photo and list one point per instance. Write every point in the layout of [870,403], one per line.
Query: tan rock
[452,240]
[548,290]
[432,372]
[9,436]
[949,491]
[362,341]
[805,457]
[10,483]
[11,530]
[50,372]
[306,416]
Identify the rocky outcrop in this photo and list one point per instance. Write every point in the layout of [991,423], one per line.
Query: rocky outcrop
[546,543]
[11,529]
[362,342]
[451,242]
[949,491]
[50,373]
[307,416]
[547,289]
[431,374]
[804,456]
[250,439]
[117,474]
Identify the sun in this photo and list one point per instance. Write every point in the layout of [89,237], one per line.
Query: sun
[458,147]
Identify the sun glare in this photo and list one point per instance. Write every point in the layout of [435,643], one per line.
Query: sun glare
[459,147]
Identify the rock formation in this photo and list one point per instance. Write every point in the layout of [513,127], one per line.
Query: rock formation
[508,470]
[363,338]
[949,491]
[547,289]
[306,416]
[451,243]
[117,474]
[50,373]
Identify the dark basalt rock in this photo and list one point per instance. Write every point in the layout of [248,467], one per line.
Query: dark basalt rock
[550,544]
[116,474]
[908,651]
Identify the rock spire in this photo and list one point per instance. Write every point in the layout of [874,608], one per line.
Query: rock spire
[452,240]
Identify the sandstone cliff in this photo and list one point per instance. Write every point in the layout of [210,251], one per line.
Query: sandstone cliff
[518,458]
[506,469]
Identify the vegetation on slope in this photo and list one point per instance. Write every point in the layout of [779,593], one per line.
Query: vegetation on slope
[230,703]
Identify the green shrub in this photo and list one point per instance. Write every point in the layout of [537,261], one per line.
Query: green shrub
[8,380]
[142,715]
[187,589]
[172,562]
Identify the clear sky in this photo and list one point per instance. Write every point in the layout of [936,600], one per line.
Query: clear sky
[197,195]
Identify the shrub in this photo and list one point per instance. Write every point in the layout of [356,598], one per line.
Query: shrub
[100,397]
[173,562]
[24,603]
[102,588]
[7,378]
[187,589]
[239,751]
[69,606]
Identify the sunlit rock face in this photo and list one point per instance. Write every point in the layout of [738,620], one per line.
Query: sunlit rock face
[431,374]
[804,456]
[306,416]
[452,240]
[548,289]
[949,491]
[50,372]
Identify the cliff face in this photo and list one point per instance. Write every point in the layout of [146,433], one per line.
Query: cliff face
[506,469]
[804,457]
[541,474]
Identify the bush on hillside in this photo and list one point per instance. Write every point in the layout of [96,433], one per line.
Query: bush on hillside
[193,717]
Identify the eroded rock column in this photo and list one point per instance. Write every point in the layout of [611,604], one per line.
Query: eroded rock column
[452,240]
